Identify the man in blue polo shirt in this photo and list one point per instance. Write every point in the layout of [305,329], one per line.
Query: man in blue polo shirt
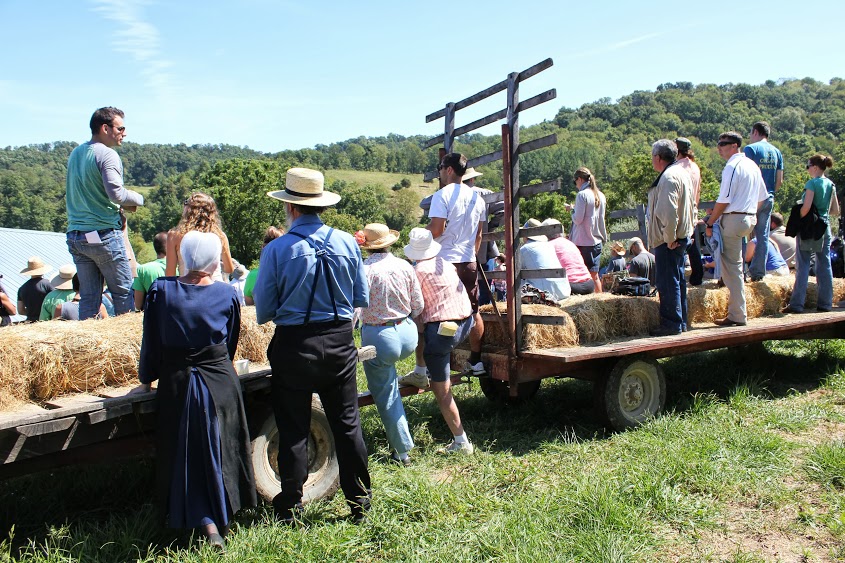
[310,281]
[770,161]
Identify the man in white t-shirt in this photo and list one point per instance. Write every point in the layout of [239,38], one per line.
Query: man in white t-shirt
[458,214]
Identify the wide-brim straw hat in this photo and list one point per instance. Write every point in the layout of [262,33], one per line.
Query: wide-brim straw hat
[35,266]
[421,245]
[618,248]
[64,279]
[377,235]
[535,223]
[470,174]
[304,186]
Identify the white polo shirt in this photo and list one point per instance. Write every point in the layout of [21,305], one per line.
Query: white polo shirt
[742,185]
[463,208]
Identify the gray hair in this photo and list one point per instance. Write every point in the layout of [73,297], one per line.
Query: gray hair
[665,149]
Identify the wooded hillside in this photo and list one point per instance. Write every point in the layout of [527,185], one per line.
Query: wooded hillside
[611,138]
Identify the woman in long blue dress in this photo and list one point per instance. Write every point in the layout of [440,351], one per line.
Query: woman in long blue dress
[191,329]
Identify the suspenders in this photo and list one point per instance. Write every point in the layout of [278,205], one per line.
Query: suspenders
[322,267]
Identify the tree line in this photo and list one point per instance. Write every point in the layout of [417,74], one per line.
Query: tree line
[612,138]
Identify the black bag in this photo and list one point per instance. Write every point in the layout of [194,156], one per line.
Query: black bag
[633,286]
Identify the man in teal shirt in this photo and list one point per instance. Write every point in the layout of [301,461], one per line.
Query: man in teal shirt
[151,271]
[62,292]
[94,196]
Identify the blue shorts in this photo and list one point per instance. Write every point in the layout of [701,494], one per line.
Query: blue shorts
[592,256]
[438,348]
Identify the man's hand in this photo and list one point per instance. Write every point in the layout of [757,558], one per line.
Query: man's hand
[129,208]
[673,245]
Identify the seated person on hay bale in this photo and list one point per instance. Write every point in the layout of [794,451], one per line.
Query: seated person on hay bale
[775,264]
[617,258]
[570,258]
[642,263]
[538,254]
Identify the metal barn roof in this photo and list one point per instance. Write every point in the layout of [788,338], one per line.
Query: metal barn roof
[17,245]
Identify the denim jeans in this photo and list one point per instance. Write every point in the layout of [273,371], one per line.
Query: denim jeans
[96,262]
[671,285]
[438,348]
[761,233]
[824,276]
[392,343]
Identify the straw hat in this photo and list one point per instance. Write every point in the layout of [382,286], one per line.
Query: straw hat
[617,247]
[421,245]
[470,174]
[535,223]
[35,266]
[65,278]
[377,236]
[304,186]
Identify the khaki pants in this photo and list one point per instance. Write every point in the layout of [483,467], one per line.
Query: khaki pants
[734,228]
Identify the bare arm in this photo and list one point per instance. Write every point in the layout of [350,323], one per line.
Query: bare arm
[139,299]
[249,300]
[57,313]
[749,250]
[7,303]
[172,247]
[226,256]
[21,307]
[478,237]
[808,202]
[778,179]
[437,226]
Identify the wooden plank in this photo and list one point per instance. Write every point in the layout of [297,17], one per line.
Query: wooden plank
[102,415]
[116,392]
[536,100]
[542,230]
[534,70]
[622,213]
[542,187]
[71,401]
[496,275]
[479,123]
[472,163]
[700,339]
[12,417]
[434,141]
[536,144]
[45,427]
[541,274]
[624,235]
[466,102]
[544,320]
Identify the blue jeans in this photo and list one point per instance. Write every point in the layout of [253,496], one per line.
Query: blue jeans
[107,261]
[392,343]
[671,285]
[439,348]
[824,276]
[761,233]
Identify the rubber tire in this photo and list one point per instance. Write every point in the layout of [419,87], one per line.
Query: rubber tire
[499,391]
[323,475]
[634,391]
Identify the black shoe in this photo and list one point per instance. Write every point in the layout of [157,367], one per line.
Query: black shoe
[756,278]
[217,542]
[286,515]
[823,310]
[791,309]
[728,322]
[394,457]
[663,331]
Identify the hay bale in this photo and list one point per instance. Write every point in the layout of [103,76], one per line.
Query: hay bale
[600,317]
[44,360]
[534,336]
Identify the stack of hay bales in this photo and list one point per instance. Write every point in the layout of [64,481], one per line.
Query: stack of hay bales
[41,361]
[603,317]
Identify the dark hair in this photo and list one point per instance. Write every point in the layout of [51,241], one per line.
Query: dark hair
[500,258]
[271,234]
[74,282]
[821,161]
[731,136]
[308,209]
[777,219]
[103,116]
[456,161]
[160,243]
[762,129]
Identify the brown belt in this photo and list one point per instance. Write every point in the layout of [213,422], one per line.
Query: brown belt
[738,213]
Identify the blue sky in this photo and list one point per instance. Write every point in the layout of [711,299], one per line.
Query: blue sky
[287,74]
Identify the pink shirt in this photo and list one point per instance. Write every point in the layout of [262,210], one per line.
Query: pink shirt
[394,290]
[443,292]
[695,174]
[570,258]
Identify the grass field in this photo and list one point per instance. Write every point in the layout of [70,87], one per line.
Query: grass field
[746,465]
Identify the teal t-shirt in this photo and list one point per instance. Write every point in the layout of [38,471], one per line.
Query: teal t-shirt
[147,274]
[52,299]
[88,205]
[822,189]
[249,283]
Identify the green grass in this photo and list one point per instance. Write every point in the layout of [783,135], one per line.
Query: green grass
[745,465]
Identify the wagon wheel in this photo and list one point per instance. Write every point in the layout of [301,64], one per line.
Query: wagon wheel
[498,391]
[634,391]
[323,475]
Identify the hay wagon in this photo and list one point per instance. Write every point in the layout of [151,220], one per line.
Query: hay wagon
[110,425]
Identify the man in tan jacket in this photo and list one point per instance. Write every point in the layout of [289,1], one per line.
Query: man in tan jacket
[670,224]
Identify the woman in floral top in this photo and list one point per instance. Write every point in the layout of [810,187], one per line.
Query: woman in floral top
[395,296]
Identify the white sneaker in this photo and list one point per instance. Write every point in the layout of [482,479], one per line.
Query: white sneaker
[464,448]
[477,369]
[415,379]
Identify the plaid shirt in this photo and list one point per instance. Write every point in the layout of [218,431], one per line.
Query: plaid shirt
[443,292]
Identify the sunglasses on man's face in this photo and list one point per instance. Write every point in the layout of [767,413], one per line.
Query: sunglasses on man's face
[725,143]
[122,128]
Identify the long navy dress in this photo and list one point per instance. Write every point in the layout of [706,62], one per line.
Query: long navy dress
[204,470]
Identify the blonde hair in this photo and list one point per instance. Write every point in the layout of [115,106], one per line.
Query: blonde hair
[200,214]
[585,174]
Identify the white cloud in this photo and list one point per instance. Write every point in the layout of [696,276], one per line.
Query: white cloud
[141,40]
[613,46]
